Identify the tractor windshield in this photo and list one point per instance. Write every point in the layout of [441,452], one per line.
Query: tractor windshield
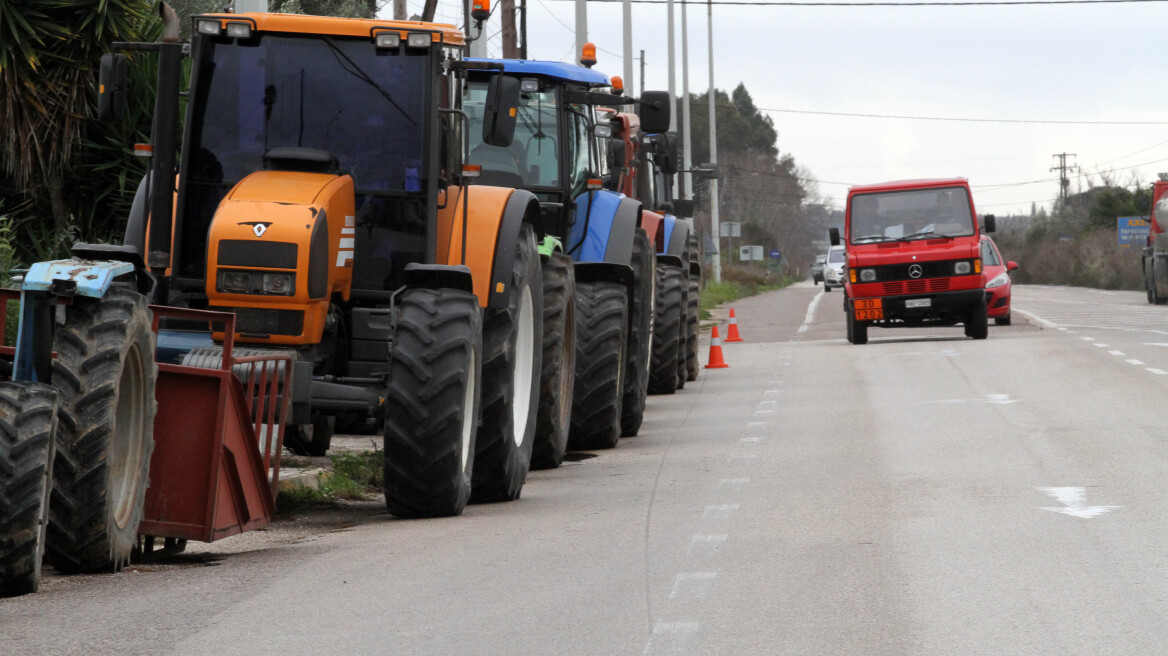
[532,159]
[362,104]
[909,215]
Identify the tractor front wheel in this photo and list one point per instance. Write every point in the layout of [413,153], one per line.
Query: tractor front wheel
[601,322]
[27,419]
[554,416]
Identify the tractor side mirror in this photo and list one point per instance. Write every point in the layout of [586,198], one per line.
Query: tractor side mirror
[833,236]
[990,223]
[655,111]
[667,159]
[683,209]
[113,88]
[499,111]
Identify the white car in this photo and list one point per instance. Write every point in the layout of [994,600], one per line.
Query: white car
[833,269]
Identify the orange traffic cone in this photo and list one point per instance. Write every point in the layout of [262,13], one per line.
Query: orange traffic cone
[732,332]
[716,361]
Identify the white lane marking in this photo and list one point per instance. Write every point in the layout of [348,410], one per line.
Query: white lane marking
[692,585]
[1074,500]
[1101,345]
[757,423]
[762,403]
[995,399]
[671,637]
[719,510]
[768,392]
[733,484]
[705,545]
[1155,343]
[749,440]
[1119,353]
[764,412]
[1135,362]
[744,457]
[810,312]
[1158,372]
[1087,339]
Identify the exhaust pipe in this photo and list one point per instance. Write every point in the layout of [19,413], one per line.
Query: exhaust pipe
[169,23]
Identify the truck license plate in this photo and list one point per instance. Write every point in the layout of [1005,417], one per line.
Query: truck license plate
[918,302]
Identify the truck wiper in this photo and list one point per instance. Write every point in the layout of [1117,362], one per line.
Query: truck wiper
[867,238]
[924,234]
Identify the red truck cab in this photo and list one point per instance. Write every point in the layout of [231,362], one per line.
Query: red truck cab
[913,257]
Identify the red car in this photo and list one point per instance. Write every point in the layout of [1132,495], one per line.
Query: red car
[996,273]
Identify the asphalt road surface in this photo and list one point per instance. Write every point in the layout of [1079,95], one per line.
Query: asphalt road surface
[921,494]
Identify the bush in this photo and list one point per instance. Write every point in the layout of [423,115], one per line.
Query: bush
[1091,259]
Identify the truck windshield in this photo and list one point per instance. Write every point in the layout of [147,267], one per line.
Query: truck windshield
[910,215]
[532,159]
[362,104]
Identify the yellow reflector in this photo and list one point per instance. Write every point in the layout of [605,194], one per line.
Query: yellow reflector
[499,288]
[852,274]
[977,265]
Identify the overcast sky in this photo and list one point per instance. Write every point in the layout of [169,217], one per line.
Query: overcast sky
[1042,63]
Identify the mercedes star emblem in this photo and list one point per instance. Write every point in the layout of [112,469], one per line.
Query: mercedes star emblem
[915,271]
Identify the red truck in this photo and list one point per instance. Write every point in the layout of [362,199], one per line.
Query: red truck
[1154,258]
[913,257]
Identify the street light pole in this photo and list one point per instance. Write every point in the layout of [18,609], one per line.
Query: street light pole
[581,26]
[627,19]
[713,151]
[686,143]
[672,73]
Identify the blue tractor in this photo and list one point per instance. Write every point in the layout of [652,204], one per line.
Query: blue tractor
[595,243]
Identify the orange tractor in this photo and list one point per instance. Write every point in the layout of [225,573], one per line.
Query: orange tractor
[313,251]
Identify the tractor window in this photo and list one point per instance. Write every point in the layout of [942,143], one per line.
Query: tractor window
[581,163]
[532,159]
[365,106]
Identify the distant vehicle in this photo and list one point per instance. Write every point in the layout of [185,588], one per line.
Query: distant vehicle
[1154,257]
[914,257]
[817,269]
[833,268]
[996,273]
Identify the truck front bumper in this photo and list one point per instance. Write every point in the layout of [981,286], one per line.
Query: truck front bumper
[943,308]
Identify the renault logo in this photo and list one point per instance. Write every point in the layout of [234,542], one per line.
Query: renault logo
[258,227]
[915,271]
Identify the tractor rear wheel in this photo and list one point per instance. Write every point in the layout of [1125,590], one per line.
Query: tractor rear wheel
[639,347]
[559,363]
[693,311]
[601,323]
[668,326]
[512,350]
[27,420]
[104,374]
[683,329]
[432,403]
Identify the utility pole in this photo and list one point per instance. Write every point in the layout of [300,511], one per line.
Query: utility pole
[627,53]
[1064,169]
[686,145]
[672,74]
[642,72]
[399,9]
[523,29]
[713,151]
[510,47]
[581,26]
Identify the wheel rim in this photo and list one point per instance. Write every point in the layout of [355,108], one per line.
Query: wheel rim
[468,400]
[128,437]
[524,360]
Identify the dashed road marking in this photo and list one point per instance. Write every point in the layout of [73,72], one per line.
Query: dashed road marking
[733,484]
[749,440]
[1158,372]
[1087,339]
[671,637]
[744,458]
[704,545]
[719,510]
[1135,362]
[692,585]
[1119,353]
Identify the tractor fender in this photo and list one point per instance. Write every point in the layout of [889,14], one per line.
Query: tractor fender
[522,207]
[604,223]
[439,276]
[676,236]
[654,225]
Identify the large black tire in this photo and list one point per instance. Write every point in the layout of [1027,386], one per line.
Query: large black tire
[683,331]
[857,330]
[310,439]
[693,311]
[601,323]
[432,403]
[512,351]
[104,373]
[976,324]
[1003,321]
[668,327]
[554,416]
[27,420]
[639,347]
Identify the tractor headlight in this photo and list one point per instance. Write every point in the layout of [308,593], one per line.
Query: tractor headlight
[239,30]
[279,283]
[998,281]
[867,275]
[962,268]
[235,281]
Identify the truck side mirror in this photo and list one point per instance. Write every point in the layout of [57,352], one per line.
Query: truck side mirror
[683,209]
[499,111]
[833,236]
[655,111]
[113,88]
[990,223]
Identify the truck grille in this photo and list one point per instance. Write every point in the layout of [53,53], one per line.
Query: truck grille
[916,286]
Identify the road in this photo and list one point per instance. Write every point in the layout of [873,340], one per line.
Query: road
[922,494]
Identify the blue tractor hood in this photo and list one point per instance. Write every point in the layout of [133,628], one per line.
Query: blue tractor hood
[552,69]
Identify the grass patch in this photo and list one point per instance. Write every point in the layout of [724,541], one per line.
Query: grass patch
[354,476]
[735,286]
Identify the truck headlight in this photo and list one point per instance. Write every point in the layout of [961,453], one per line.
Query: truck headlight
[998,281]
[235,281]
[279,283]
[867,275]
[962,268]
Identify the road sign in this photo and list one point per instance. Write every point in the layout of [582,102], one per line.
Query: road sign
[1132,231]
[730,229]
[775,254]
[748,253]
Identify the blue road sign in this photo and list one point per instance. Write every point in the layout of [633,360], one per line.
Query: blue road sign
[1132,231]
[775,254]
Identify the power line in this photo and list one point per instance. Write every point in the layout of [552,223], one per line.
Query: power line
[961,119]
